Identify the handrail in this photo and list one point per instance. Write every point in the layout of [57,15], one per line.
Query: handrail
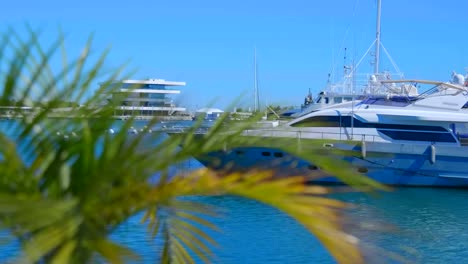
[301,134]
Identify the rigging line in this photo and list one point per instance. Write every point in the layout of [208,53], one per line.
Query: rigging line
[362,58]
[395,66]
[344,37]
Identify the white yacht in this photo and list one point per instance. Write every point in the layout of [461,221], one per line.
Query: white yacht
[396,140]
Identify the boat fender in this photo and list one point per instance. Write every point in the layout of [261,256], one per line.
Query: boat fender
[328,145]
[433,154]
[363,149]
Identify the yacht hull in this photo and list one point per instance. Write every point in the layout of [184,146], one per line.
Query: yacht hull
[409,166]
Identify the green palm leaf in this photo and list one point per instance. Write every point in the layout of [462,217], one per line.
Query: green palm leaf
[321,216]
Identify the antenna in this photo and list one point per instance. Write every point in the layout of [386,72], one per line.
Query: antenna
[377,39]
[344,62]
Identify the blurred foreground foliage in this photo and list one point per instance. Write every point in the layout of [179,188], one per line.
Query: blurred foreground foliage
[67,183]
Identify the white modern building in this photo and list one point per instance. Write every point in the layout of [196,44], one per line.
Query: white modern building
[148,98]
[209,113]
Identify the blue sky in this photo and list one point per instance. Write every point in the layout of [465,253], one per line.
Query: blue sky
[210,44]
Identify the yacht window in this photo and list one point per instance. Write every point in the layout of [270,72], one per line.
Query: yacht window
[239,152]
[278,154]
[266,153]
[465,106]
[345,121]
[319,121]
[419,136]
[399,101]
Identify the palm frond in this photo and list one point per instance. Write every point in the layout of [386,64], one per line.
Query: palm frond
[321,216]
[113,252]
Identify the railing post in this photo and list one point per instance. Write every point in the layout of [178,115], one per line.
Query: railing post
[299,141]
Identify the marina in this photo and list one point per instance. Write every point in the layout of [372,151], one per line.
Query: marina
[99,165]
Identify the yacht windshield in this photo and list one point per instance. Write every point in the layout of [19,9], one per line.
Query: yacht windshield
[400,101]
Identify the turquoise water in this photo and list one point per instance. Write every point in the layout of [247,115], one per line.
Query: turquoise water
[415,225]
[405,225]
[422,225]
[419,225]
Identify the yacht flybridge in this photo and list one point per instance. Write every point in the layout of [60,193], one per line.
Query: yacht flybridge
[396,140]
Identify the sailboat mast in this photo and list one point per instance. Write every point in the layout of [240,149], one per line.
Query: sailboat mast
[256,102]
[377,40]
